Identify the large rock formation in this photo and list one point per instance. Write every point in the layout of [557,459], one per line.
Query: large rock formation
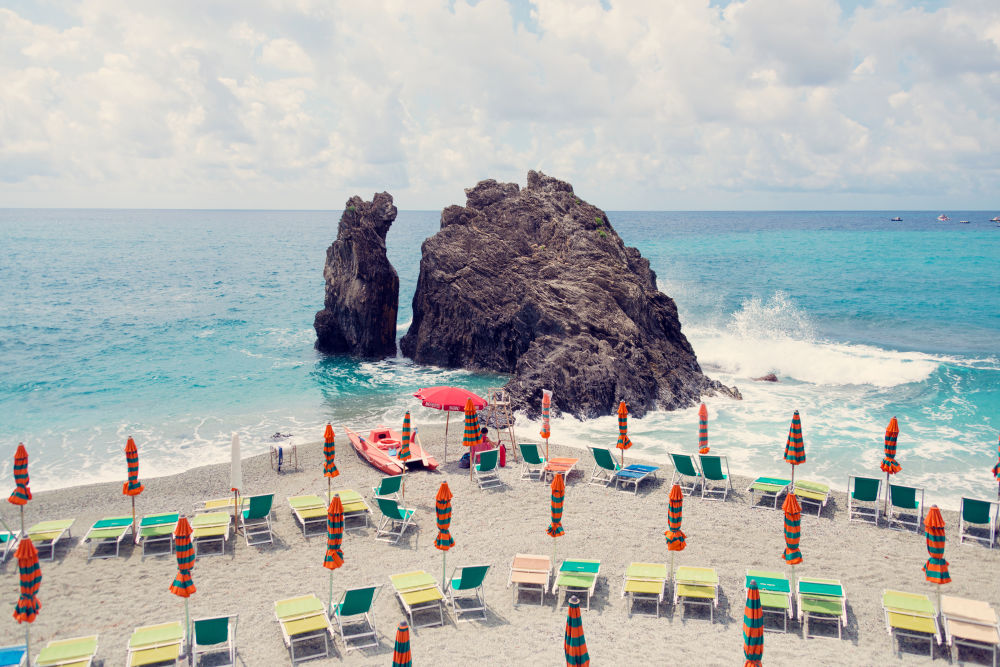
[362,288]
[537,283]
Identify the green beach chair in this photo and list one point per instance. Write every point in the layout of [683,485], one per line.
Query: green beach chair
[605,466]
[578,576]
[46,535]
[910,615]
[76,652]
[8,540]
[216,635]
[256,519]
[697,586]
[711,470]
[532,461]
[418,592]
[767,489]
[978,521]
[469,581]
[355,612]
[355,506]
[821,600]
[904,508]
[156,644]
[395,520]
[812,494]
[862,498]
[309,510]
[108,532]
[158,529]
[487,471]
[775,595]
[686,473]
[210,528]
[303,622]
[645,581]
[388,487]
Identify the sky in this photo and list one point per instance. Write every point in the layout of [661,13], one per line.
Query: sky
[679,105]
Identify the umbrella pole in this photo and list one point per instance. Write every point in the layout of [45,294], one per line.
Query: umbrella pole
[135,535]
[885,509]
[187,621]
[236,516]
[22,521]
[331,592]
[27,643]
[793,479]
[447,419]
[444,569]
[547,459]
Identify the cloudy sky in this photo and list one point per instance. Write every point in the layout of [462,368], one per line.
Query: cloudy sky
[684,104]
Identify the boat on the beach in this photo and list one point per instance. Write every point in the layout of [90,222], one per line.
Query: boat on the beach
[381,449]
[896,219]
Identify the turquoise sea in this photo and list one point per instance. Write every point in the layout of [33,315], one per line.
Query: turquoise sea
[180,327]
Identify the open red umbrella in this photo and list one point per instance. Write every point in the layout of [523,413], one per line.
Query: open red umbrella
[28,606]
[21,494]
[703,447]
[334,556]
[890,466]
[449,399]
[623,440]
[795,449]
[753,627]
[132,487]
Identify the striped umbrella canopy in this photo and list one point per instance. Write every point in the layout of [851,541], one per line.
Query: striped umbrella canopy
[623,441]
[334,556]
[132,487]
[444,541]
[555,528]
[28,606]
[471,436]
[574,643]
[795,449]
[793,521]
[703,429]
[753,627]
[401,651]
[21,494]
[329,452]
[936,567]
[404,448]
[183,585]
[546,408]
[890,466]
[676,540]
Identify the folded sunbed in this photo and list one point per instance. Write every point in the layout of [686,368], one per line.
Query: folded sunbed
[76,652]
[775,594]
[862,498]
[46,535]
[487,471]
[530,572]
[605,466]
[256,519]
[813,494]
[303,620]
[108,532]
[634,475]
[158,529]
[418,591]
[910,615]
[767,489]
[355,507]
[697,586]
[309,511]
[645,581]
[821,600]
[577,575]
[904,507]
[210,528]
[156,644]
[560,466]
[13,656]
[971,623]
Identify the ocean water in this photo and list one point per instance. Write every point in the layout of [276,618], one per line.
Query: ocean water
[180,327]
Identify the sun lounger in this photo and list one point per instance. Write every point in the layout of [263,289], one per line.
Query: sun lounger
[256,519]
[862,498]
[645,581]
[8,543]
[388,486]
[530,572]
[467,580]
[686,473]
[156,644]
[532,461]
[214,636]
[821,600]
[767,489]
[605,466]
[108,532]
[309,511]
[158,529]
[634,475]
[219,504]
[904,508]
[560,466]
[355,612]
[971,623]
[355,506]
[697,586]
[76,652]
[712,467]
[487,471]
[395,520]
[303,620]
[210,528]
[910,615]
[775,594]
[578,576]
[46,535]
[978,521]
[418,591]
[13,656]
[813,494]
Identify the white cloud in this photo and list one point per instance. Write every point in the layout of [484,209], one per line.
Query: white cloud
[777,104]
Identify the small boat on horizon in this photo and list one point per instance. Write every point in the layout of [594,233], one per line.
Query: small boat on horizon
[963,222]
[896,219]
[943,218]
[995,218]
[381,449]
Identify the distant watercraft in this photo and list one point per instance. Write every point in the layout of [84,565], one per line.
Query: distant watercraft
[943,218]
[963,222]
[995,218]
[896,219]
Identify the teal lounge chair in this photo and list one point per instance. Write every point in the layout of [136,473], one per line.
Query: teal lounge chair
[605,466]
[257,520]
[978,521]
[821,600]
[13,656]
[910,615]
[78,652]
[469,580]
[812,494]
[532,461]
[108,532]
[862,498]
[487,471]
[775,594]
[711,469]
[395,520]
[767,489]
[158,529]
[578,576]
[389,486]
[215,635]
[686,473]
[904,508]
[8,540]
[354,611]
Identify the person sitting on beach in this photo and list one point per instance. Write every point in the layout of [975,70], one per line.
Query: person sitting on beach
[485,444]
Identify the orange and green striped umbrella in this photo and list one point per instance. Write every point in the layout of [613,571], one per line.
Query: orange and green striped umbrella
[793,522]
[623,441]
[555,528]
[574,643]
[795,449]
[329,453]
[936,567]
[401,651]
[471,435]
[890,466]
[28,606]
[21,494]
[703,447]
[444,541]
[183,585]
[753,627]
[404,448]
[546,409]
[132,487]
[676,540]
[334,556]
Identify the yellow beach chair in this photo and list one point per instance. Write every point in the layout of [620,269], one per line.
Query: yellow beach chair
[418,591]
[355,506]
[46,535]
[107,532]
[158,529]
[76,652]
[303,620]
[813,494]
[821,600]
[309,510]
[910,615]
[645,581]
[209,528]
[156,644]
[697,586]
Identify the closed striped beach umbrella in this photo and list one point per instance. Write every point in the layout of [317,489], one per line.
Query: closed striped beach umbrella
[470,437]
[753,627]
[890,466]
[334,556]
[183,585]
[21,494]
[330,453]
[676,540]
[793,521]
[444,541]
[574,643]
[558,487]
[623,440]
[28,606]
[132,487]
[936,567]
[401,650]
[703,447]
[795,449]
[404,447]
[546,408]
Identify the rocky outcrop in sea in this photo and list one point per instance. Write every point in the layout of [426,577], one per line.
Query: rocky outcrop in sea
[537,283]
[362,288]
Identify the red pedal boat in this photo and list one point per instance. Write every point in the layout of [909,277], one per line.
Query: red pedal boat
[381,448]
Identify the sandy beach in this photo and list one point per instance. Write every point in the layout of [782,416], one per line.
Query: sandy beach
[111,597]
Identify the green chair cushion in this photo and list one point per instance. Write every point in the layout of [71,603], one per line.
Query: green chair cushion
[697,575]
[911,602]
[696,591]
[408,580]
[297,606]
[114,522]
[591,566]
[825,606]
[647,571]
[774,600]
[156,634]
[576,579]
[912,623]
[67,649]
